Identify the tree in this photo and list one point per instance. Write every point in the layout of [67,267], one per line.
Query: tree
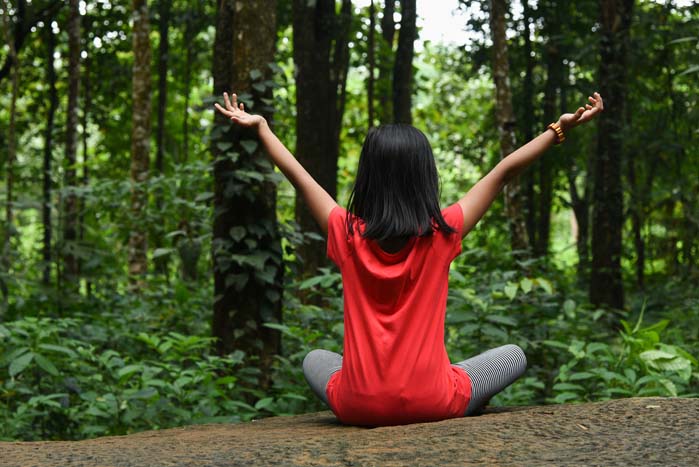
[140,141]
[403,66]
[70,209]
[506,123]
[321,55]
[246,245]
[48,147]
[606,287]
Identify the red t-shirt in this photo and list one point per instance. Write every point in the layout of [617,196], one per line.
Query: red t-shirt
[395,368]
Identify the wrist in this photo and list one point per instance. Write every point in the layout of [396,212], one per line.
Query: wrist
[558,130]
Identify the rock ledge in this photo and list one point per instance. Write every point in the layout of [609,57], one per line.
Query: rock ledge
[639,431]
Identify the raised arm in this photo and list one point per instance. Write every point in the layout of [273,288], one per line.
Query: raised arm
[318,200]
[479,198]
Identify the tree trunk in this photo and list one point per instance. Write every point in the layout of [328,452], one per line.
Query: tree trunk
[246,245]
[529,176]
[403,66]
[546,165]
[87,105]
[11,154]
[506,124]
[384,84]
[48,147]
[70,207]
[372,63]
[606,287]
[188,38]
[140,143]
[321,56]
[163,49]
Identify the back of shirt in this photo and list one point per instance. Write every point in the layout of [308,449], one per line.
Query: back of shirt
[395,368]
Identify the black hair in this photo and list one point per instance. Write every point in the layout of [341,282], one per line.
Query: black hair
[396,192]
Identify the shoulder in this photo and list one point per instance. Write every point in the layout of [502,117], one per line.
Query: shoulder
[454,216]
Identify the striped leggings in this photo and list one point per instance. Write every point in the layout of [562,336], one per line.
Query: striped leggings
[489,372]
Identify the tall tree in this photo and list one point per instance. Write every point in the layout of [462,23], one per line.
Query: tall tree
[606,287]
[403,66]
[246,243]
[163,51]
[48,147]
[506,123]
[321,55]
[70,209]
[5,255]
[140,141]
[546,165]
[385,56]
[371,44]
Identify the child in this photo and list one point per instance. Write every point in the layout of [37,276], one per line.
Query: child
[393,246]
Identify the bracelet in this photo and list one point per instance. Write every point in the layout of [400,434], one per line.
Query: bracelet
[560,137]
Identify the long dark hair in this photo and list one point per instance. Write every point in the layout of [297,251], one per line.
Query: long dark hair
[396,192]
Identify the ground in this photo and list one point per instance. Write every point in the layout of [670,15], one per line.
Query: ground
[639,431]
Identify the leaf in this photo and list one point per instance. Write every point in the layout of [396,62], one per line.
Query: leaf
[502,320]
[526,285]
[652,355]
[58,348]
[255,74]
[159,252]
[569,308]
[546,285]
[128,370]
[249,145]
[691,69]
[224,145]
[264,403]
[238,233]
[511,290]
[45,364]
[20,363]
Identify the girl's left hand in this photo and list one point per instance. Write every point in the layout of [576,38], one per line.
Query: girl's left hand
[582,115]
[236,112]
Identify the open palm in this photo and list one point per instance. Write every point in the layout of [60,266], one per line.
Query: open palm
[583,114]
[236,112]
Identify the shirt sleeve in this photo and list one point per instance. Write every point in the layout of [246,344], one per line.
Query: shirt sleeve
[454,216]
[338,241]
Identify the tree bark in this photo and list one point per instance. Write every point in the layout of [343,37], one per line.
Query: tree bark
[386,58]
[140,143]
[321,55]
[529,176]
[546,165]
[161,263]
[606,287]
[372,63]
[87,105]
[403,66]
[70,207]
[506,124]
[48,148]
[11,154]
[246,245]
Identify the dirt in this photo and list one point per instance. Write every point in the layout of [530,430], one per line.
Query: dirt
[639,431]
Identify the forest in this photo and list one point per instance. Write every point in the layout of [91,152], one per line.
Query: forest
[157,271]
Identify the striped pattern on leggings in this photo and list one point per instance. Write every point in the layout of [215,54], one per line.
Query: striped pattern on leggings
[491,372]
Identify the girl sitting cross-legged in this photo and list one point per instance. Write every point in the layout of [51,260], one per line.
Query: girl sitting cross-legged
[393,245]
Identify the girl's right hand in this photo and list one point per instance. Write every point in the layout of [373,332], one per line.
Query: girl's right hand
[582,115]
[237,114]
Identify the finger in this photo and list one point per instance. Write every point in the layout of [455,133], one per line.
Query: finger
[588,106]
[242,107]
[222,110]
[226,101]
[234,103]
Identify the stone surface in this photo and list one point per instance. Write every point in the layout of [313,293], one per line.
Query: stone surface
[641,431]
